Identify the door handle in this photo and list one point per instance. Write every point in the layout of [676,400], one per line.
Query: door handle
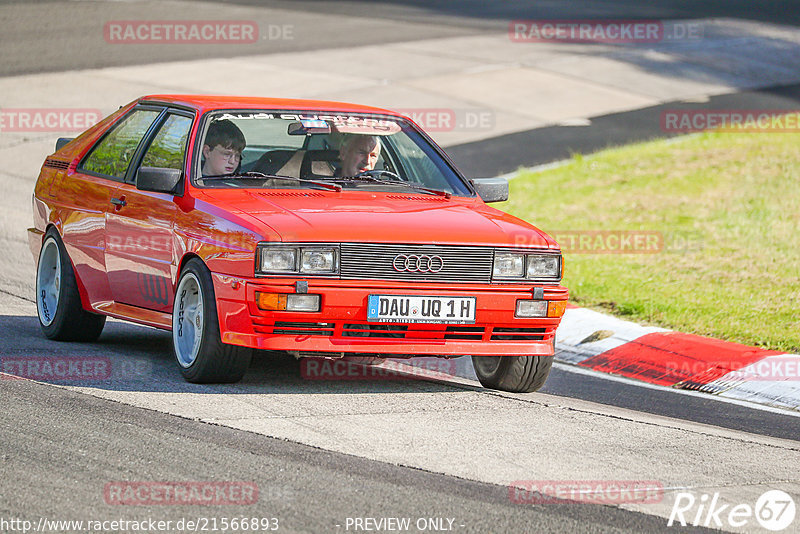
[119,201]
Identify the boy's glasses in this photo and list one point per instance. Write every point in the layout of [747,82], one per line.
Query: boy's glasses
[229,154]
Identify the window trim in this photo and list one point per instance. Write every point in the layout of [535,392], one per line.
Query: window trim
[149,137]
[81,169]
[194,170]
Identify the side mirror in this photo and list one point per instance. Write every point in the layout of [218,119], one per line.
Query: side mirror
[62,142]
[491,189]
[158,179]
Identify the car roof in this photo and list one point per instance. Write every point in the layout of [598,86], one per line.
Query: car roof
[204,103]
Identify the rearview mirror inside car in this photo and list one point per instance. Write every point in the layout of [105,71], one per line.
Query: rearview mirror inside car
[308,127]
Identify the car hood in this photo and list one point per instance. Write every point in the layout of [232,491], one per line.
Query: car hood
[375,217]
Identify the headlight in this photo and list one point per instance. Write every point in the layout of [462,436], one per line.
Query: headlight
[543,266]
[278,260]
[318,260]
[509,266]
[521,266]
[297,259]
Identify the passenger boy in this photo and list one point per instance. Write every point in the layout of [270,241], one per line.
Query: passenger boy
[222,149]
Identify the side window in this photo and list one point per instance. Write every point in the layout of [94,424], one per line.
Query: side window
[417,166]
[169,146]
[113,154]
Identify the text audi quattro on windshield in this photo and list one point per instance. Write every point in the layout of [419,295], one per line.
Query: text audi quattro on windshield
[319,228]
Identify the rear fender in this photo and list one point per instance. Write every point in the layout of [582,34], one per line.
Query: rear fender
[85,304]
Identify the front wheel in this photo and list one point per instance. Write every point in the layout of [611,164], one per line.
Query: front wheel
[202,356]
[518,374]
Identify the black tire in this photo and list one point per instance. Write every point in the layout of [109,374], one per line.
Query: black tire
[200,353]
[58,302]
[518,374]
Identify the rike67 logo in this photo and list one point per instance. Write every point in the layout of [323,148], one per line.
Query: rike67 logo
[774,510]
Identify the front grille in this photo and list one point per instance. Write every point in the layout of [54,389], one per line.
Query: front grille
[408,332]
[307,329]
[474,333]
[375,261]
[518,334]
[374,330]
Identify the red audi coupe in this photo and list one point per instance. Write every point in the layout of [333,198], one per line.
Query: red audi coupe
[319,228]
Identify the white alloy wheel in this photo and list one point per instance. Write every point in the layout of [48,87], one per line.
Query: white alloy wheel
[48,281]
[188,320]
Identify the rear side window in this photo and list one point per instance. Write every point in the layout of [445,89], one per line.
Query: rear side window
[114,153]
[169,146]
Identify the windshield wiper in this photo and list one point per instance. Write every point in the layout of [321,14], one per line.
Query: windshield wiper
[368,176]
[253,174]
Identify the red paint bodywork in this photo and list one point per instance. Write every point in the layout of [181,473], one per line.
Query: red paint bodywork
[125,256]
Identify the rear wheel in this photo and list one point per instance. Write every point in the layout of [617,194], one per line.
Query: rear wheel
[519,374]
[196,341]
[58,302]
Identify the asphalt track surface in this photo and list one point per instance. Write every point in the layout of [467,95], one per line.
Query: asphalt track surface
[51,35]
[77,444]
[553,143]
[58,448]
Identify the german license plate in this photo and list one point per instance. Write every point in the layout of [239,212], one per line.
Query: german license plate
[419,309]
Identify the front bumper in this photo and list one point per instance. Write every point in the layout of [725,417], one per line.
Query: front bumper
[341,327]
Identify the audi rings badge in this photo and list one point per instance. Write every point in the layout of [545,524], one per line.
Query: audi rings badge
[414,263]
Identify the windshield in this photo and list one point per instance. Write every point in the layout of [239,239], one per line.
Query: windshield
[263,149]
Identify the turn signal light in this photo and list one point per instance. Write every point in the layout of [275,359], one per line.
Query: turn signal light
[556,308]
[271,301]
[288,302]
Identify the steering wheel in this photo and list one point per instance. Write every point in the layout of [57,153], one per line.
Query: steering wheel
[378,173]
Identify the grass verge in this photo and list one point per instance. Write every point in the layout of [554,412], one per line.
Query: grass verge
[725,212]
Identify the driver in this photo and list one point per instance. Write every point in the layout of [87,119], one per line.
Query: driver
[359,154]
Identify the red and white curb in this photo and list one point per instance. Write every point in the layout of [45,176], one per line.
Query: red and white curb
[593,340]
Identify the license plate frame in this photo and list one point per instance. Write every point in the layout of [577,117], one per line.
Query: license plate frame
[421,309]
